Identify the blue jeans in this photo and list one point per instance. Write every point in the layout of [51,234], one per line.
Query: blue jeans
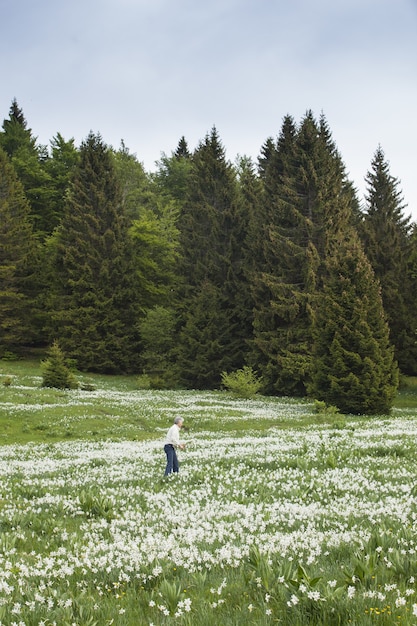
[172,460]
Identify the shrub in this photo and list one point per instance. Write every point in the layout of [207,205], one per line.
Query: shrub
[243,383]
[143,381]
[322,408]
[55,370]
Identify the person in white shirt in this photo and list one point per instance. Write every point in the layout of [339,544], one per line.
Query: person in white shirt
[172,442]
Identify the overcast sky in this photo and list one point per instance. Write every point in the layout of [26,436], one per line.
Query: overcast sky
[151,71]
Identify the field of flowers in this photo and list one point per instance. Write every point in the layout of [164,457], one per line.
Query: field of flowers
[290,524]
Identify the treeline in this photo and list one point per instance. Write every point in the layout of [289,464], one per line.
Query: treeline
[203,266]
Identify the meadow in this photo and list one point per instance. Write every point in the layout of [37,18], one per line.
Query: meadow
[279,515]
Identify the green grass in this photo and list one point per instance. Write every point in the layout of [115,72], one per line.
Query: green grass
[278,516]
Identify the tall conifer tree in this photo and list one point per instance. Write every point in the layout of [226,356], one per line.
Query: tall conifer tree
[308,203]
[17,256]
[96,308]
[60,167]
[211,270]
[29,161]
[353,360]
[386,233]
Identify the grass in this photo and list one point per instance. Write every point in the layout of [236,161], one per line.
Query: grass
[278,516]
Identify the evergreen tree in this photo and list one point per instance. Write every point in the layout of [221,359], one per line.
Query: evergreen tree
[157,333]
[30,163]
[386,233]
[17,261]
[172,175]
[182,151]
[135,184]
[60,168]
[96,308]
[307,203]
[152,217]
[203,346]
[353,360]
[55,370]
[155,247]
[211,270]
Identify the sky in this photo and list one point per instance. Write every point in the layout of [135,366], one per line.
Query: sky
[151,71]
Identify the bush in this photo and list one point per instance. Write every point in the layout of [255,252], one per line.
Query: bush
[56,372]
[322,408]
[243,383]
[143,381]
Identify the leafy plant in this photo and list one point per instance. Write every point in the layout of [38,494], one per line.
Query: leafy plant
[243,383]
[321,407]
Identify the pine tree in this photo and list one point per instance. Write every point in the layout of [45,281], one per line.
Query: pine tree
[172,175]
[55,370]
[387,240]
[135,185]
[96,307]
[211,270]
[60,168]
[307,204]
[353,360]
[30,163]
[17,261]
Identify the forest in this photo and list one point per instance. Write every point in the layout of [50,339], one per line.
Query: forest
[204,266]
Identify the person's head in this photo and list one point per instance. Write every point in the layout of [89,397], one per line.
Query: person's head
[178,421]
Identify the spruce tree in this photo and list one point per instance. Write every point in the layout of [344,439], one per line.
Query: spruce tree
[30,163]
[134,183]
[211,270]
[386,233]
[60,168]
[353,364]
[172,175]
[96,310]
[17,261]
[308,202]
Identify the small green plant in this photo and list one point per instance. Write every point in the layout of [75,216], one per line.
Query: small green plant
[55,369]
[243,383]
[144,381]
[96,505]
[9,356]
[322,408]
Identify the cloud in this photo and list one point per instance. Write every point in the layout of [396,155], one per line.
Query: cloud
[152,71]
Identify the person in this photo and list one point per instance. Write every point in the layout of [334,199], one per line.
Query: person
[172,442]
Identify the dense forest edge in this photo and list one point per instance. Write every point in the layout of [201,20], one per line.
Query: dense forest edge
[205,267]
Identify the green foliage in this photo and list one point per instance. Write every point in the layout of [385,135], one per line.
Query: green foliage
[213,323]
[303,206]
[354,366]
[388,241]
[321,408]
[17,262]
[95,305]
[60,167]
[56,372]
[243,383]
[96,505]
[94,250]
[29,161]
[157,333]
[144,381]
